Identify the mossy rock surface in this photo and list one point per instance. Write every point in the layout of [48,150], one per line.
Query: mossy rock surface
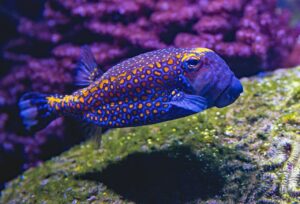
[248,152]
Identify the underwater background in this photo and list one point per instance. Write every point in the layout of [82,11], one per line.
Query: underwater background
[40,44]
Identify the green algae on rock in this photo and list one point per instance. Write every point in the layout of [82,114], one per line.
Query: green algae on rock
[248,152]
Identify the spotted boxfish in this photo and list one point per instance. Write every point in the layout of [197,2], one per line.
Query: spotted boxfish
[150,88]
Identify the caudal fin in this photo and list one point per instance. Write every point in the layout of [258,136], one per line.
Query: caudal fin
[35,112]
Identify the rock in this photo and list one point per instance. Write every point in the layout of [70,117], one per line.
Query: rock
[248,152]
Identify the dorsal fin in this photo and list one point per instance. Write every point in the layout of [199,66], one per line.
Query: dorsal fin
[87,68]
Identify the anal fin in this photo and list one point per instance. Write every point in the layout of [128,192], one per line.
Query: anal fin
[94,133]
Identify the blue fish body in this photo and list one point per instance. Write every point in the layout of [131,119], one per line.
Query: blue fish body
[150,88]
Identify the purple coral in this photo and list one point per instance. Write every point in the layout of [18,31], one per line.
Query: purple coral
[44,46]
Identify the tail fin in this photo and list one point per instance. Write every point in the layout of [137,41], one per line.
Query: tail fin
[34,110]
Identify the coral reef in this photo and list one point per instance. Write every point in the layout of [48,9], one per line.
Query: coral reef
[40,52]
[246,153]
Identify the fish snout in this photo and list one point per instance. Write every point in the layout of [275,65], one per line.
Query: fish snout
[230,94]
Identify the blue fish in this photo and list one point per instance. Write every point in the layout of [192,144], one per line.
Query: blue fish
[150,88]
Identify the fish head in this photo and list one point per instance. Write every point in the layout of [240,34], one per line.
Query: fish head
[211,77]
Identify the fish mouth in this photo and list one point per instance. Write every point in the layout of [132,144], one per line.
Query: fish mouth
[230,93]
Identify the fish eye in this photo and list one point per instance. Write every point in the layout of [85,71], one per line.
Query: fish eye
[192,64]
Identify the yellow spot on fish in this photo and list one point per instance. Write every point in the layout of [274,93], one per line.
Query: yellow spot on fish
[90,100]
[170,61]
[122,81]
[113,78]
[128,77]
[158,64]
[140,106]
[123,74]
[105,81]
[159,81]
[143,76]
[130,105]
[166,69]
[138,89]
[136,81]
[94,89]
[157,73]
[148,71]
[81,100]
[157,104]
[85,93]
[56,107]
[154,111]
[201,50]
[148,104]
[151,65]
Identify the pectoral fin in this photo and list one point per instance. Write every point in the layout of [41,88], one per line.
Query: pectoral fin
[193,103]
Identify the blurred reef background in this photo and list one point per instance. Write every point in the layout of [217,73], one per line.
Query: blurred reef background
[41,41]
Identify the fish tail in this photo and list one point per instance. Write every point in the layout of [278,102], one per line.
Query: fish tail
[35,111]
